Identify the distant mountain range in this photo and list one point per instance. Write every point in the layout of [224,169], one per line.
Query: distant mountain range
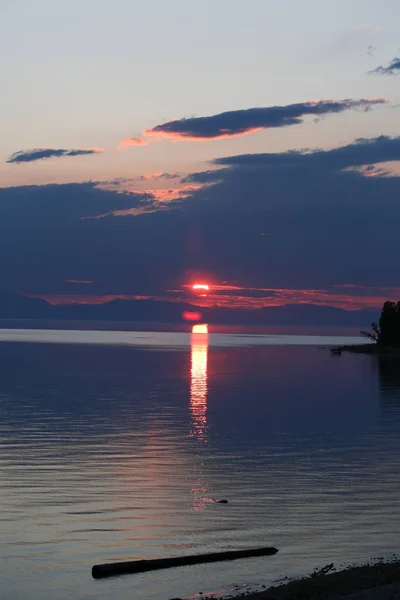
[13,306]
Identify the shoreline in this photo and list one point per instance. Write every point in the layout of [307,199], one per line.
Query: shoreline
[369,348]
[376,581]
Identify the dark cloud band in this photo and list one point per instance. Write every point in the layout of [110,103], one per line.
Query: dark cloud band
[362,154]
[363,151]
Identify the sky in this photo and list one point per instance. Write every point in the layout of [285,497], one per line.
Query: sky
[148,145]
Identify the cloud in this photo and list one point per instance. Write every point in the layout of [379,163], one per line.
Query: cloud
[159,175]
[133,187]
[64,204]
[327,224]
[393,68]
[154,197]
[131,141]
[242,122]
[24,156]
[123,212]
[130,184]
[363,151]
[80,281]
[170,194]
[361,156]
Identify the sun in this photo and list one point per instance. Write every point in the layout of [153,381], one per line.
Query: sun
[201,287]
[200,329]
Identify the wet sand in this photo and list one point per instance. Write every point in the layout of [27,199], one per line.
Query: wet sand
[379,581]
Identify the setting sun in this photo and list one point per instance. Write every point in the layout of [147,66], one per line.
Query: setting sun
[204,287]
[200,329]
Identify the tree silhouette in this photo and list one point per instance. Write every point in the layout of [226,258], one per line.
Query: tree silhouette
[387,333]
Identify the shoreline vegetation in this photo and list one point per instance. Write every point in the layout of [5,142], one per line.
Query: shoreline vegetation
[375,581]
[384,337]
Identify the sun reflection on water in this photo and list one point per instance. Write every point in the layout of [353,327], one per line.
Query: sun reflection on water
[198,407]
[198,381]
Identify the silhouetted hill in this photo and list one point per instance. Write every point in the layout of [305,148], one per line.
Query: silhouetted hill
[312,314]
[14,306]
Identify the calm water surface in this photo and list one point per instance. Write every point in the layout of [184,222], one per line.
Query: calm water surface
[114,452]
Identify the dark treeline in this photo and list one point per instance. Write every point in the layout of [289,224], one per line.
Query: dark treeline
[387,331]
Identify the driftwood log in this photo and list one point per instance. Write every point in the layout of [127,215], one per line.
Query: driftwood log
[140,566]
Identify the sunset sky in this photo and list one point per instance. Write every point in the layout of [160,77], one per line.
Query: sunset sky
[253,145]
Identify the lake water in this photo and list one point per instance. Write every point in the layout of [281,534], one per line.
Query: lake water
[114,446]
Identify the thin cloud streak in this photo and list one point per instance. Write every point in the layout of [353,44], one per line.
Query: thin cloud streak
[26,156]
[243,122]
[80,281]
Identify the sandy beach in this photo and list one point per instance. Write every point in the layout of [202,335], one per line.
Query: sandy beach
[379,581]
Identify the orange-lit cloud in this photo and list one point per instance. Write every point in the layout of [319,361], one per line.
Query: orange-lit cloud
[148,197]
[131,141]
[177,137]
[149,176]
[167,195]
[245,121]
[159,175]
[371,171]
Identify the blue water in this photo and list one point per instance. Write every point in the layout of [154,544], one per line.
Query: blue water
[115,448]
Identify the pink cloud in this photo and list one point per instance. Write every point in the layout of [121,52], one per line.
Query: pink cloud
[159,175]
[169,194]
[131,141]
[153,176]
